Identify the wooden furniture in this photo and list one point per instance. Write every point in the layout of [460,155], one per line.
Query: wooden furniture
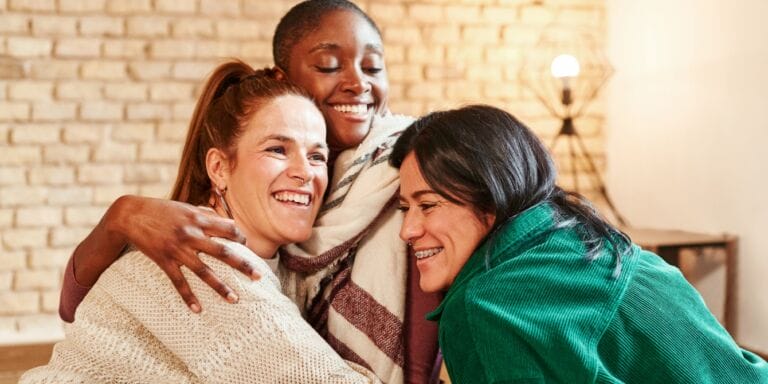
[669,243]
[16,359]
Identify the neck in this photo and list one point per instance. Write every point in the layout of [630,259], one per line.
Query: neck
[262,247]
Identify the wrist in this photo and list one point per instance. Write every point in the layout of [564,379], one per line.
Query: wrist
[103,245]
[116,220]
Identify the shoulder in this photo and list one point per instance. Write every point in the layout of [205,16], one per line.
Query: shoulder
[548,303]
[261,265]
[135,273]
[393,122]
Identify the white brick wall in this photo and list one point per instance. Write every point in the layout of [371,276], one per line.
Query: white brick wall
[100,103]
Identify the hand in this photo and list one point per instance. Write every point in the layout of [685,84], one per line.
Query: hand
[173,233]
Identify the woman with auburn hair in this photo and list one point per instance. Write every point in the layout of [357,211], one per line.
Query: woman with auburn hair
[352,279]
[539,288]
[256,154]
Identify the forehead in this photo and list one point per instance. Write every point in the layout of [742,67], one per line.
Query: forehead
[342,28]
[291,116]
[411,179]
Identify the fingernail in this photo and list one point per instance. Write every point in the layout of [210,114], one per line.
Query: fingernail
[194,307]
[232,298]
[255,276]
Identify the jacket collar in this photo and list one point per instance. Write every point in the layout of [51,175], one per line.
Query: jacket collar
[514,234]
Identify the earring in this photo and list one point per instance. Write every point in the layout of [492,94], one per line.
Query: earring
[220,195]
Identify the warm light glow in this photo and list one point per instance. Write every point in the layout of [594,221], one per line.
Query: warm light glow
[565,66]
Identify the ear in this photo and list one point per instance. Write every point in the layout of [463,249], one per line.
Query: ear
[488,219]
[217,165]
[279,73]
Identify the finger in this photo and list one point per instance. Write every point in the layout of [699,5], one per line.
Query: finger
[182,286]
[226,255]
[206,275]
[216,226]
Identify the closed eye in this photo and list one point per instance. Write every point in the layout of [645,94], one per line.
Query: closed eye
[326,69]
[427,206]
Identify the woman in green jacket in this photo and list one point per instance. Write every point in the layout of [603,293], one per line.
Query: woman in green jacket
[540,289]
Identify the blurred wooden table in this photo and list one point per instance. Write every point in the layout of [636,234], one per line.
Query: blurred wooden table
[15,359]
[669,243]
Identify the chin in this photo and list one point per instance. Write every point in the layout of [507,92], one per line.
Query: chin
[429,287]
[298,237]
[352,138]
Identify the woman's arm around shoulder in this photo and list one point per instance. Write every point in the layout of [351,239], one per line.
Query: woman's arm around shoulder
[168,232]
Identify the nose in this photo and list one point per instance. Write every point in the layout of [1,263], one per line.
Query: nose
[354,81]
[412,227]
[300,170]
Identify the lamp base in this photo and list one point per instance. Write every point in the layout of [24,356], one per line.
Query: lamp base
[575,145]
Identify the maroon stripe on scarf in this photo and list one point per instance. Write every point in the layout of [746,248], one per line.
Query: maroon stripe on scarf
[318,310]
[316,263]
[381,326]
[346,352]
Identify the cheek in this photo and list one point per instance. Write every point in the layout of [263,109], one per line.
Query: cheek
[464,242]
[262,173]
[321,178]
[318,88]
[382,87]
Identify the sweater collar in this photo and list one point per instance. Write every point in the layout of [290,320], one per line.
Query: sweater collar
[516,232]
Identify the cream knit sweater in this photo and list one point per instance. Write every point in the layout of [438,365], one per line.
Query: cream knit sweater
[134,328]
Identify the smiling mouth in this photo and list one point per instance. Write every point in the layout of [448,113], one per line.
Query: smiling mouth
[292,197]
[352,109]
[427,253]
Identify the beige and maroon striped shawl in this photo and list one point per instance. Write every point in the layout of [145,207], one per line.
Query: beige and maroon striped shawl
[349,277]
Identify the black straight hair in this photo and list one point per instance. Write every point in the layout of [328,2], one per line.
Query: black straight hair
[484,158]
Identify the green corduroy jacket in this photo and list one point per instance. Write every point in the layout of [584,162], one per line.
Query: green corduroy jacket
[528,307]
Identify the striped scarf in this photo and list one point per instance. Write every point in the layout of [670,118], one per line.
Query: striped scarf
[349,278]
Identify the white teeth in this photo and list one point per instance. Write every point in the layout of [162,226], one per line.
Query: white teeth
[357,109]
[427,253]
[299,198]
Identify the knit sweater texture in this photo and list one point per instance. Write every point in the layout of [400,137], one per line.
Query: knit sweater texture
[134,328]
[528,307]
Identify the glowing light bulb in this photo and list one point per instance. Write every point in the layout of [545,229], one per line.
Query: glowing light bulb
[565,66]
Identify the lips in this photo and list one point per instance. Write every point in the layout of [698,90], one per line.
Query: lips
[299,198]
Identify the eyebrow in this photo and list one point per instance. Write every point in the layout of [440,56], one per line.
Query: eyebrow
[335,47]
[420,193]
[287,139]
